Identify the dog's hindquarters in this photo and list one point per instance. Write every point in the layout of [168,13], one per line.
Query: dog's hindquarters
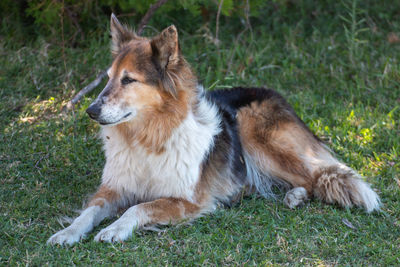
[278,144]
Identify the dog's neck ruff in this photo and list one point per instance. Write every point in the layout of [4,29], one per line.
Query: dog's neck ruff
[175,172]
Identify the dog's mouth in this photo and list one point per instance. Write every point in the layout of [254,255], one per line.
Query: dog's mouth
[115,122]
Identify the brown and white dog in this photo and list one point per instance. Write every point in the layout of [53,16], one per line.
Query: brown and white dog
[174,152]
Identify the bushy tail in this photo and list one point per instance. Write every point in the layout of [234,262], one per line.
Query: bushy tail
[340,184]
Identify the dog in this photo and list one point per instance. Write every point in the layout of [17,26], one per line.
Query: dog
[175,152]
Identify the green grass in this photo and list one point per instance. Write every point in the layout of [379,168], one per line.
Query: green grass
[341,75]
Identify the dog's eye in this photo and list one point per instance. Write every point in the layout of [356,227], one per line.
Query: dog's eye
[127,80]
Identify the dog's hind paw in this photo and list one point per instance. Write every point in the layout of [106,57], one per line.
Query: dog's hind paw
[66,236]
[295,197]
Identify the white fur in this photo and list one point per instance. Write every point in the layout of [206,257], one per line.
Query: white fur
[370,198]
[262,180]
[83,224]
[122,228]
[131,170]
[295,197]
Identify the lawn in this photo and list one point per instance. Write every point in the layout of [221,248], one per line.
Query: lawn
[337,64]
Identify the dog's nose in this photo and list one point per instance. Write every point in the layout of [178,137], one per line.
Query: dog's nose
[94,111]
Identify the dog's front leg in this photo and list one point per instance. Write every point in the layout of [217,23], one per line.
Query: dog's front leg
[100,207]
[160,211]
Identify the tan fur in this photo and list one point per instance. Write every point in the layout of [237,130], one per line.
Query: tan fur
[274,143]
[156,123]
[336,185]
[128,62]
[169,210]
[120,36]
[104,193]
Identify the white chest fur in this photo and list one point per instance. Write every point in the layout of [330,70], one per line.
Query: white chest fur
[132,171]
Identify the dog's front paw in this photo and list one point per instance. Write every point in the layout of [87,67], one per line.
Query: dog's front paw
[116,232]
[67,236]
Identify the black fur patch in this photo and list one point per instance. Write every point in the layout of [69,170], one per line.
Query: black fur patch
[231,100]
[235,98]
[227,146]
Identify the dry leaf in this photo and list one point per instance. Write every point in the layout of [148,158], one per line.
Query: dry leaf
[348,224]
[393,38]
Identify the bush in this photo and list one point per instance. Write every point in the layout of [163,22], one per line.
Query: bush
[24,19]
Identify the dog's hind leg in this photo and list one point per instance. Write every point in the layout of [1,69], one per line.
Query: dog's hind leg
[280,145]
[100,207]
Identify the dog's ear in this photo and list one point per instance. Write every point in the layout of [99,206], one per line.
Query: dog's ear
[120,35]
[166,54]
[165,46]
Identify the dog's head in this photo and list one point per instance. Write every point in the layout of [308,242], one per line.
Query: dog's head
[145,74]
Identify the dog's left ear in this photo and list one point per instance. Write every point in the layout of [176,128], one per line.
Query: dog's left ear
[166,54]
[165,47]
[120,35]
